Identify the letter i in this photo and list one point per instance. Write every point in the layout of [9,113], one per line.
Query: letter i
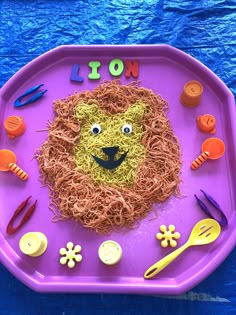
[94,65]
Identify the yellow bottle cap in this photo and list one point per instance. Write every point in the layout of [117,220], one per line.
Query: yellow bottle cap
[110,252]
[33,244]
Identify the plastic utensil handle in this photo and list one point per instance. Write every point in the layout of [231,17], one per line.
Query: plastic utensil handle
[164,262]
[18,171]
[200,160]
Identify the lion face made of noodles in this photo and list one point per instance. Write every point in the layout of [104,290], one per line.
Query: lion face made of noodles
[110,154]
[110,148]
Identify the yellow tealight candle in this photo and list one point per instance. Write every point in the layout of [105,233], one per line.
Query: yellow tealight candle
[33,244]
[110,252]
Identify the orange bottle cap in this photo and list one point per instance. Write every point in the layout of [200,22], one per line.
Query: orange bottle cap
[214,146]
[14,126]
[6,157]
[192,93]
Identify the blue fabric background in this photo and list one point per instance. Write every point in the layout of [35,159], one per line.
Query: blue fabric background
[205,29]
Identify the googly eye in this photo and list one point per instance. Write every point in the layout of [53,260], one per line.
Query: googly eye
[127,129]
[96,129]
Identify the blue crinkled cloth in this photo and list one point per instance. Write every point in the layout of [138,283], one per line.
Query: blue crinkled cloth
[205,29]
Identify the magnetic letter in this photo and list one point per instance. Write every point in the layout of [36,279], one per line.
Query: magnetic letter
[94,65]
[116,67]
[75,74]
[131,68]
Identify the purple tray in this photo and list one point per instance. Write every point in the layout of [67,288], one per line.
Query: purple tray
[165,70]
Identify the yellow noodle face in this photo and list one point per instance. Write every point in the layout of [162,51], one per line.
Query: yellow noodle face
[110,148]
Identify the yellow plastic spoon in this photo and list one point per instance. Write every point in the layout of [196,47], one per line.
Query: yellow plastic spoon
[204,232]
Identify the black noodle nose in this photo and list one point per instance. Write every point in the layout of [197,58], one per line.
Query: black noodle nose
[110,151]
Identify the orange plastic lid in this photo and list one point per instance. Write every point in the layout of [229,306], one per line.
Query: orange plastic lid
[6,157]
[191,94]
[214,146]
[14,126]
[193,88]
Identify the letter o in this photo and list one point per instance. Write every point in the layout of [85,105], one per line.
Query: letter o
[116,67]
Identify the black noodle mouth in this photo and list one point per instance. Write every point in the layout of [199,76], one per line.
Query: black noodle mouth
[111,163]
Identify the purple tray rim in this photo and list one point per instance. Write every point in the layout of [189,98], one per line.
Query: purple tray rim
[40,285]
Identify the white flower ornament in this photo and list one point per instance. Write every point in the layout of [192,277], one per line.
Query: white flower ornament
[71,255]
[168,235]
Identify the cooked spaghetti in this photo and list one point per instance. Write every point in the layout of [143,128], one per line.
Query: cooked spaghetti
[84,191]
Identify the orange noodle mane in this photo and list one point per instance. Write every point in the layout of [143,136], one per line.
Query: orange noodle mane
[74,194]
